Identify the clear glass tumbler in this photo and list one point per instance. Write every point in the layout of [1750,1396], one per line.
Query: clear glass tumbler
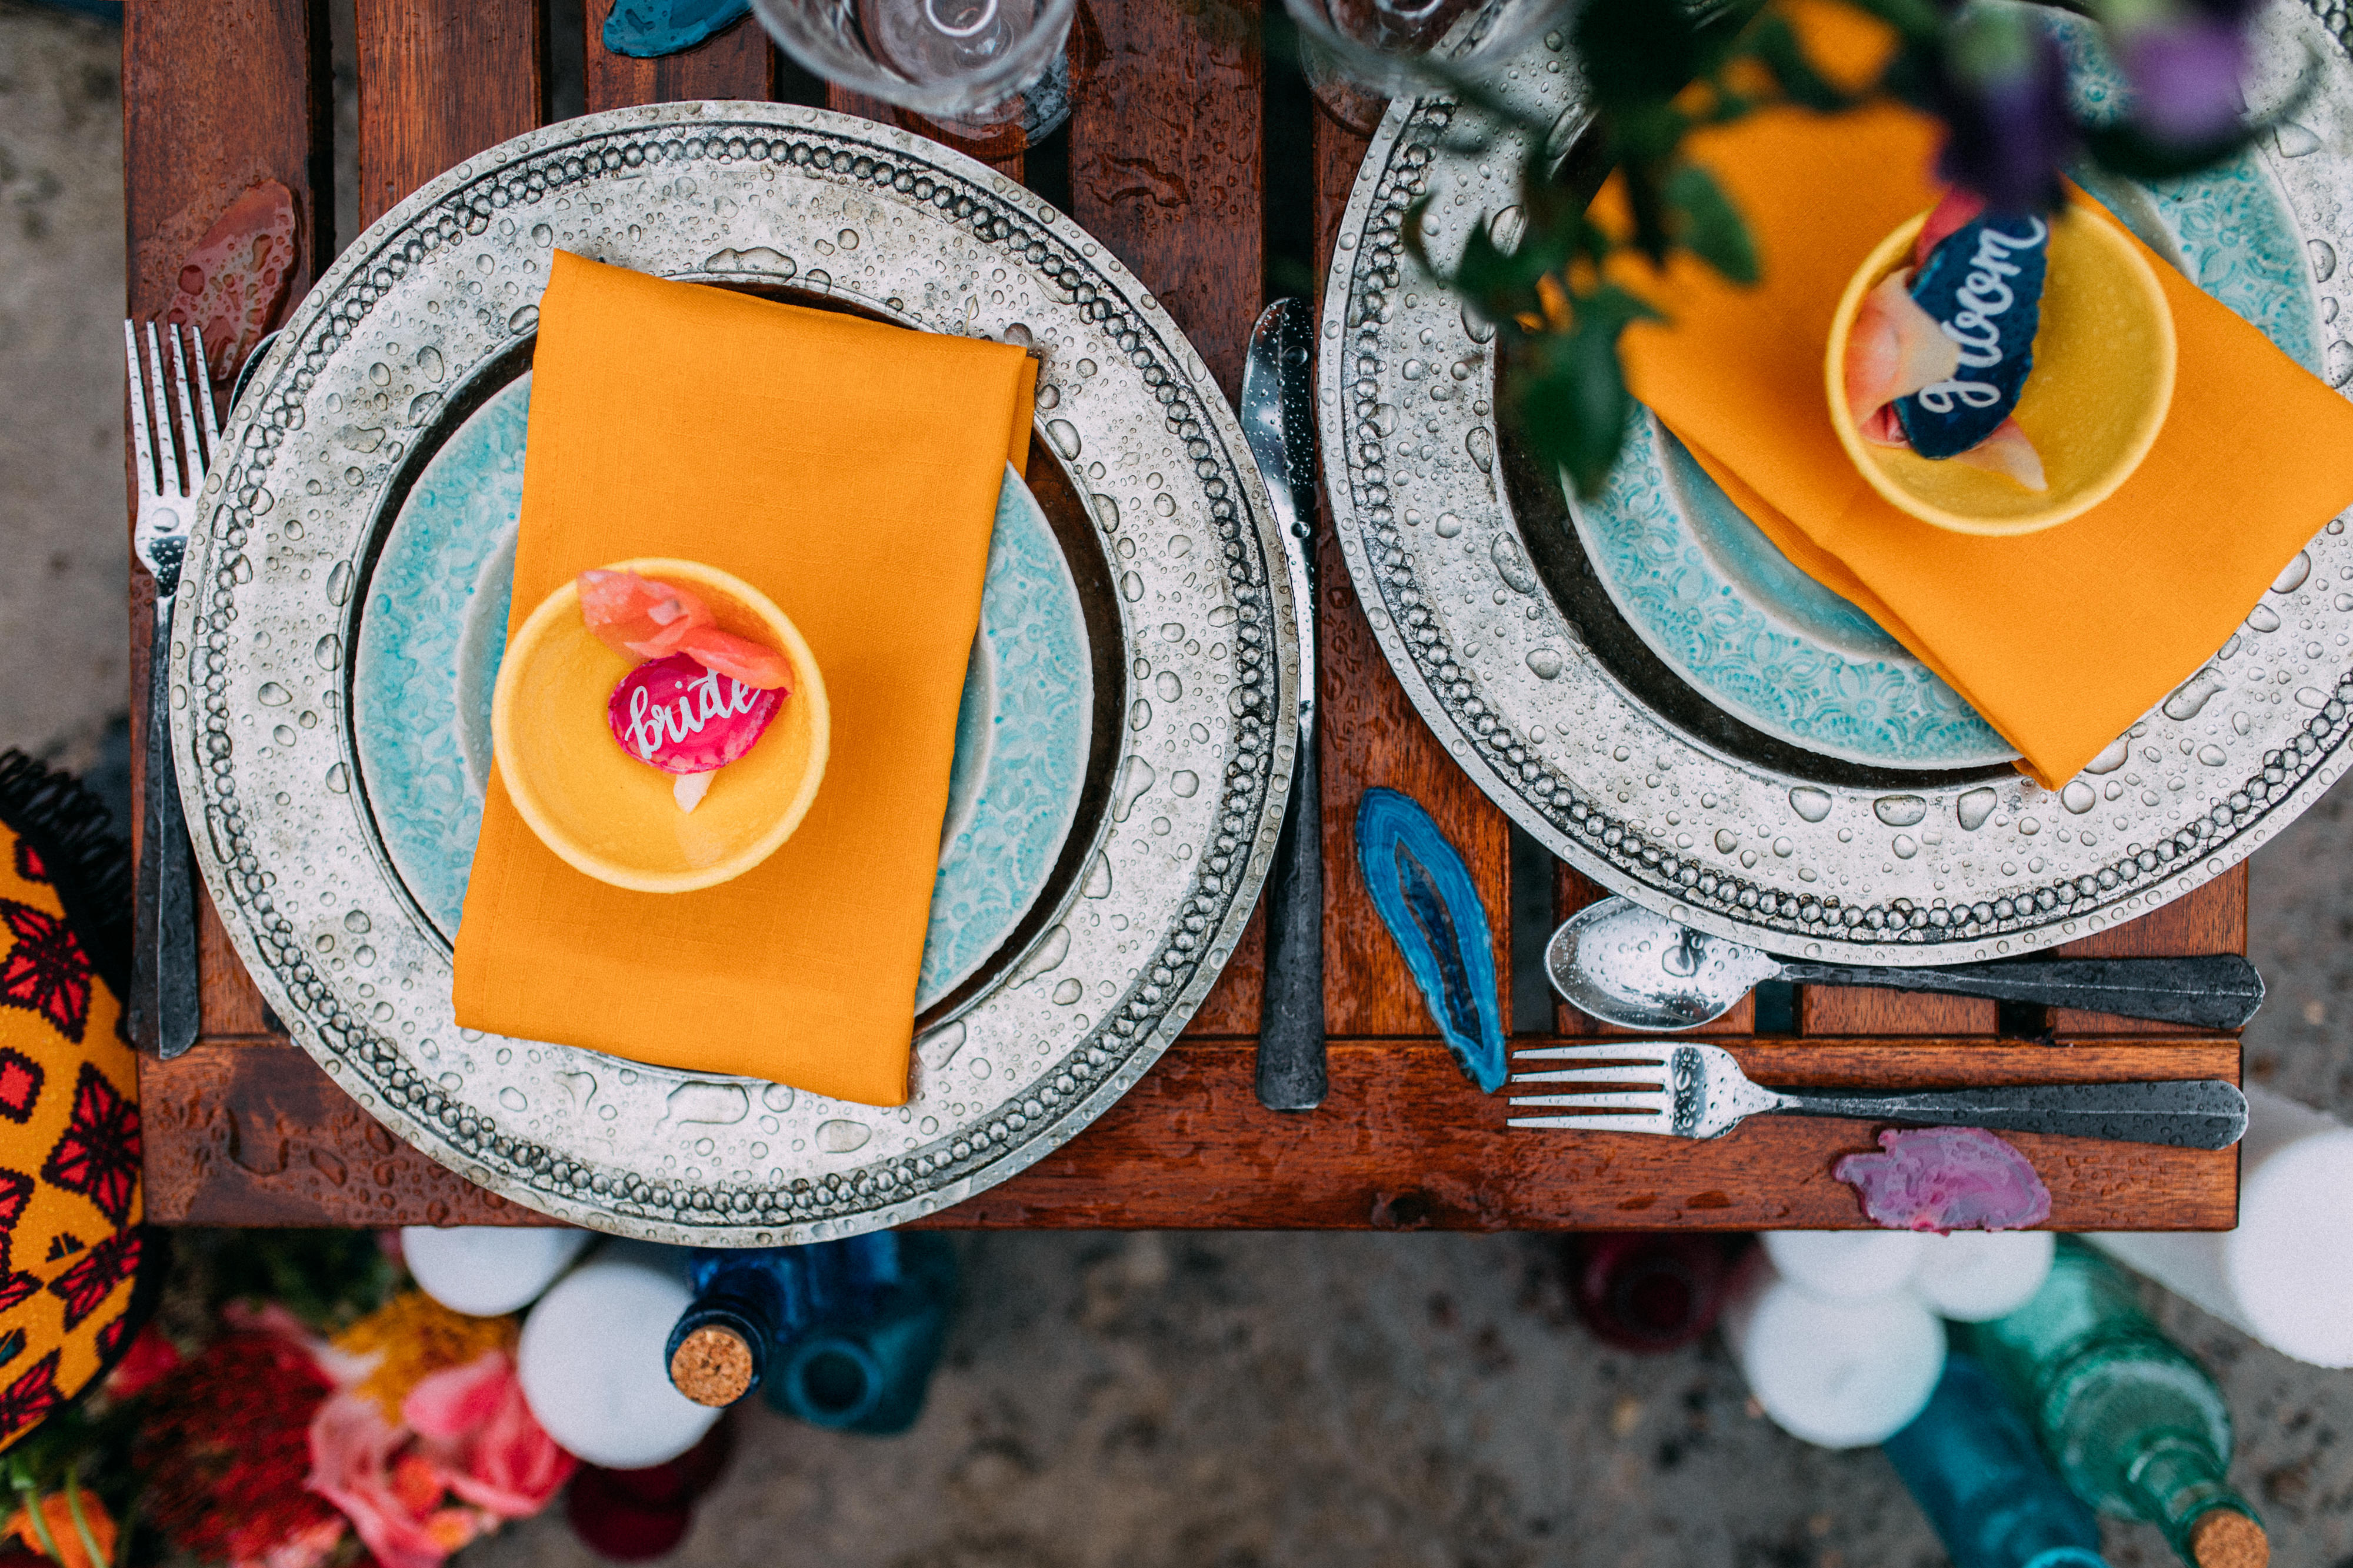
[1359,54]
[989,71]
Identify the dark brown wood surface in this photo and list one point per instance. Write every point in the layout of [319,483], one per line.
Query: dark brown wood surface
[738,63]
[1166,164]
[194,140]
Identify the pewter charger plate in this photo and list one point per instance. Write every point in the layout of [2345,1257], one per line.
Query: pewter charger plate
[1474,583]
[1140,467]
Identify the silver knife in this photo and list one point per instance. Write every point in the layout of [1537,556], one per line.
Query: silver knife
[1277,408]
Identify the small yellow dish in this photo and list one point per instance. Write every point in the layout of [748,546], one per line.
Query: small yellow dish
[612,816]
[2097,395]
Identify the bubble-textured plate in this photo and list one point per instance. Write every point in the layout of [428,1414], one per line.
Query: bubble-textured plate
[430,312]
[1481,597]
[1729,614]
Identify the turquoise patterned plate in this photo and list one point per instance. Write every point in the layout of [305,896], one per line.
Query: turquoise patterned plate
[1730,614]
[434,629]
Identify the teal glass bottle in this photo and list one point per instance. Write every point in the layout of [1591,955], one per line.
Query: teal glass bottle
[864,1361]
[1971,1465]
[2133,1424]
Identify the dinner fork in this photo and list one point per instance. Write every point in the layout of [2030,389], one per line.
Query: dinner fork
[169,461]
[1700,1091]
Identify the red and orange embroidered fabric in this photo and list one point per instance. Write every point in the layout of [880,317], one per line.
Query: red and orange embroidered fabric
[70,1199]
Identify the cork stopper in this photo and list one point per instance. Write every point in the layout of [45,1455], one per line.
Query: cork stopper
[713,1365]
[2228,1539]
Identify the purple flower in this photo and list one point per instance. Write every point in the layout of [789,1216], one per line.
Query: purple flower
[2001,89]
[2184,73]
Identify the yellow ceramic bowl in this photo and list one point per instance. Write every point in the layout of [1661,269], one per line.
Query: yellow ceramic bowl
[612,816]
[2095,401]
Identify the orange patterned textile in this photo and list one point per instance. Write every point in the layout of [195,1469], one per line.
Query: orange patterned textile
[70,1239]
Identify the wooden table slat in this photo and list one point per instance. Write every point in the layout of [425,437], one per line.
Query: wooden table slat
[737,63]
[1404,1142]
[440,81]
[192,141]
[1372,735]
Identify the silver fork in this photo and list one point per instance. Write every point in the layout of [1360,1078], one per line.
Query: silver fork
[1700,1091]
[170,463]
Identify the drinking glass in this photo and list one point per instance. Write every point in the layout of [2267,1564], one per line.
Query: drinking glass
[1359,54]
[990,71]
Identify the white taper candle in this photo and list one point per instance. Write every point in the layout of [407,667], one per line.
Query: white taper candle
[1840,1373]
[2285,1274]
[487,1270]
[591,1359]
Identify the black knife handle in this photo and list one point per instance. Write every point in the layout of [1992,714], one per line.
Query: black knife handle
[2218,992]
[1290,1070]
[2193,1113]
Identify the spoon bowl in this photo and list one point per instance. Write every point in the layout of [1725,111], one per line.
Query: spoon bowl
[1627,966]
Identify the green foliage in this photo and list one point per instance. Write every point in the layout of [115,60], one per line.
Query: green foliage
[329,1279]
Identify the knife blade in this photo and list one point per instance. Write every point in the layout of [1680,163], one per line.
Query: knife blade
[1277,409]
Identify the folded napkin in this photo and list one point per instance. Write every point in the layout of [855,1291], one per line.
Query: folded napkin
[2062,638]
[849,470]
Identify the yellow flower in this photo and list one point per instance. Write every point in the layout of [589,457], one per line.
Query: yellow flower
[414,1336]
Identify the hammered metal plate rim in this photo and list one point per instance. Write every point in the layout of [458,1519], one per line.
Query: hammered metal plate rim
[1904,875]
[1119,382]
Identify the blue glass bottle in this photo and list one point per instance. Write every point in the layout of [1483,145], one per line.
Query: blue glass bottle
[838,1333]
[1971,1464]
[865,1365]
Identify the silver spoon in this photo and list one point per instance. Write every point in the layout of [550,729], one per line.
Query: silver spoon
[1624,965]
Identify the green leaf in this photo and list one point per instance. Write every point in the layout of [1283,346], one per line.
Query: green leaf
[1772,42]
[1570,391]
[1648,203]
[1635,52]
[1712,229]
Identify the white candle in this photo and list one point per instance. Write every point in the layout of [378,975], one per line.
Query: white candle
[1977,1276]
[487,1270]
[1840,1373]
[1846,1265]
[2285,1274]
[592,1365]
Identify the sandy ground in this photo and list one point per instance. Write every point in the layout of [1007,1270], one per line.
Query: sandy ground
[1221,1401]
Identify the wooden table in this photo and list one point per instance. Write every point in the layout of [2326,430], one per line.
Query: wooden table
[1167,159]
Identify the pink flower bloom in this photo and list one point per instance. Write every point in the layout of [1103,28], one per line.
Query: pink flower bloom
[474,1421]
[305,1548]
[392,1492]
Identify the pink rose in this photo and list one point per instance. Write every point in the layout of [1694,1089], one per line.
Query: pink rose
[305,1548]
[392,1493]
[475,1423]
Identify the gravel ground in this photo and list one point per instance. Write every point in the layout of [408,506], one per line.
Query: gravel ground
[1216,1400]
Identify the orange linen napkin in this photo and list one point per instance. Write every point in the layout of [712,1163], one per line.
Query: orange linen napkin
[2062,638]
[849,470]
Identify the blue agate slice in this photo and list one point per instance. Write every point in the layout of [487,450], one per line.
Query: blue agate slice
[646,29]
[1426,896]
[1983,288]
